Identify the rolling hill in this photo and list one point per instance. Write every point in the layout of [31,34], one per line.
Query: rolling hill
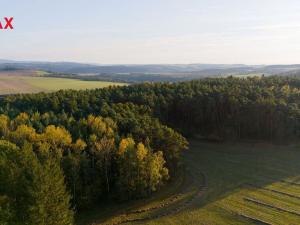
[142,73]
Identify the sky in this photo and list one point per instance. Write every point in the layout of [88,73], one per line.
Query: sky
[152,31]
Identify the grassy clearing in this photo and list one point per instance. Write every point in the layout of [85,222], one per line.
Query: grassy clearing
[12,84]
[229,200]
[245,184]
[249,75]
[54,84]
[41,73]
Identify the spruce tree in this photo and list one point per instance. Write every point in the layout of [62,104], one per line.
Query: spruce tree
[52,202]
[31,192]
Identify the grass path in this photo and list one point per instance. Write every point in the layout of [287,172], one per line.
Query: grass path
[179,195]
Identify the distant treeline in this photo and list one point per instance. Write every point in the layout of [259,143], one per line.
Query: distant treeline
[9,68]
[125,142]
[125,78]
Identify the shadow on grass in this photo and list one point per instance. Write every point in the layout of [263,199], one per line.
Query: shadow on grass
[114,212]
[229,167]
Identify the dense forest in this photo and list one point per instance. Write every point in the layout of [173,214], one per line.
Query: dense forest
[64,152]
[131,78]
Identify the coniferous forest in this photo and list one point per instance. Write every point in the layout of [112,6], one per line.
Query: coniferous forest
[67,151]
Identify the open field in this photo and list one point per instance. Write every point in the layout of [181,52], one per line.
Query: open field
[246,75]
[224,184]
[12,83]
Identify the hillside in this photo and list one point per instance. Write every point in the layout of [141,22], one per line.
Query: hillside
[146,73]
[29,81]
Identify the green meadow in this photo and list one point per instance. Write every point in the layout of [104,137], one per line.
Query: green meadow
[32,84]
[54,84]
[236,183]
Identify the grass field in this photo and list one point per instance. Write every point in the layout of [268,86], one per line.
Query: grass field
[14,83]
[54,84]
[224,184]
[247,75]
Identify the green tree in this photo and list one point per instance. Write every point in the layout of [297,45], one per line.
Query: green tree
[32,193]
[4,125]
[51,200]
[141,171]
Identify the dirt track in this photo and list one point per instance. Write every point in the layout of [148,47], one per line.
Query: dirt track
[170,207]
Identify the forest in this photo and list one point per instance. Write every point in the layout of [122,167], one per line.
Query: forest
[67,151]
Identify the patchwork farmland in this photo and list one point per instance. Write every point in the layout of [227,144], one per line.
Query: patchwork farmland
[248,183]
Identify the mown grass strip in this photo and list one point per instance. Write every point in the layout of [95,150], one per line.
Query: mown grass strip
[274,191]
[289,182]
[255,220]
[258,202]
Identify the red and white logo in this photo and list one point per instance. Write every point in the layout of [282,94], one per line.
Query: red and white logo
[6,24]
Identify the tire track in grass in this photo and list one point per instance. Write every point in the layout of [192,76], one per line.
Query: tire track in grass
[258,202]
[289,182]
[239,212]
[255,220]
[164,203]
[200,191]
[274,191]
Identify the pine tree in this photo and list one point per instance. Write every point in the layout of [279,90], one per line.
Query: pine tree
[52,202]
[31,192]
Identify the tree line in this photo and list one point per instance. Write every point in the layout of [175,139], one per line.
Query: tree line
[122,143]
[52,163]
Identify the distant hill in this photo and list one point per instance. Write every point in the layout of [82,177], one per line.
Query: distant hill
[292,73]
[142,73]
[70,67]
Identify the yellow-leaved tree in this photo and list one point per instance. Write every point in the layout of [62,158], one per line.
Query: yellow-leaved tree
[140,170]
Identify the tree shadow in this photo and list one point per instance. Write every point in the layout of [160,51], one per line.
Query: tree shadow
[229,167]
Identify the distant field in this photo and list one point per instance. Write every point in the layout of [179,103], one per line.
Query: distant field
[247,75]
[224,184]
[12,83]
